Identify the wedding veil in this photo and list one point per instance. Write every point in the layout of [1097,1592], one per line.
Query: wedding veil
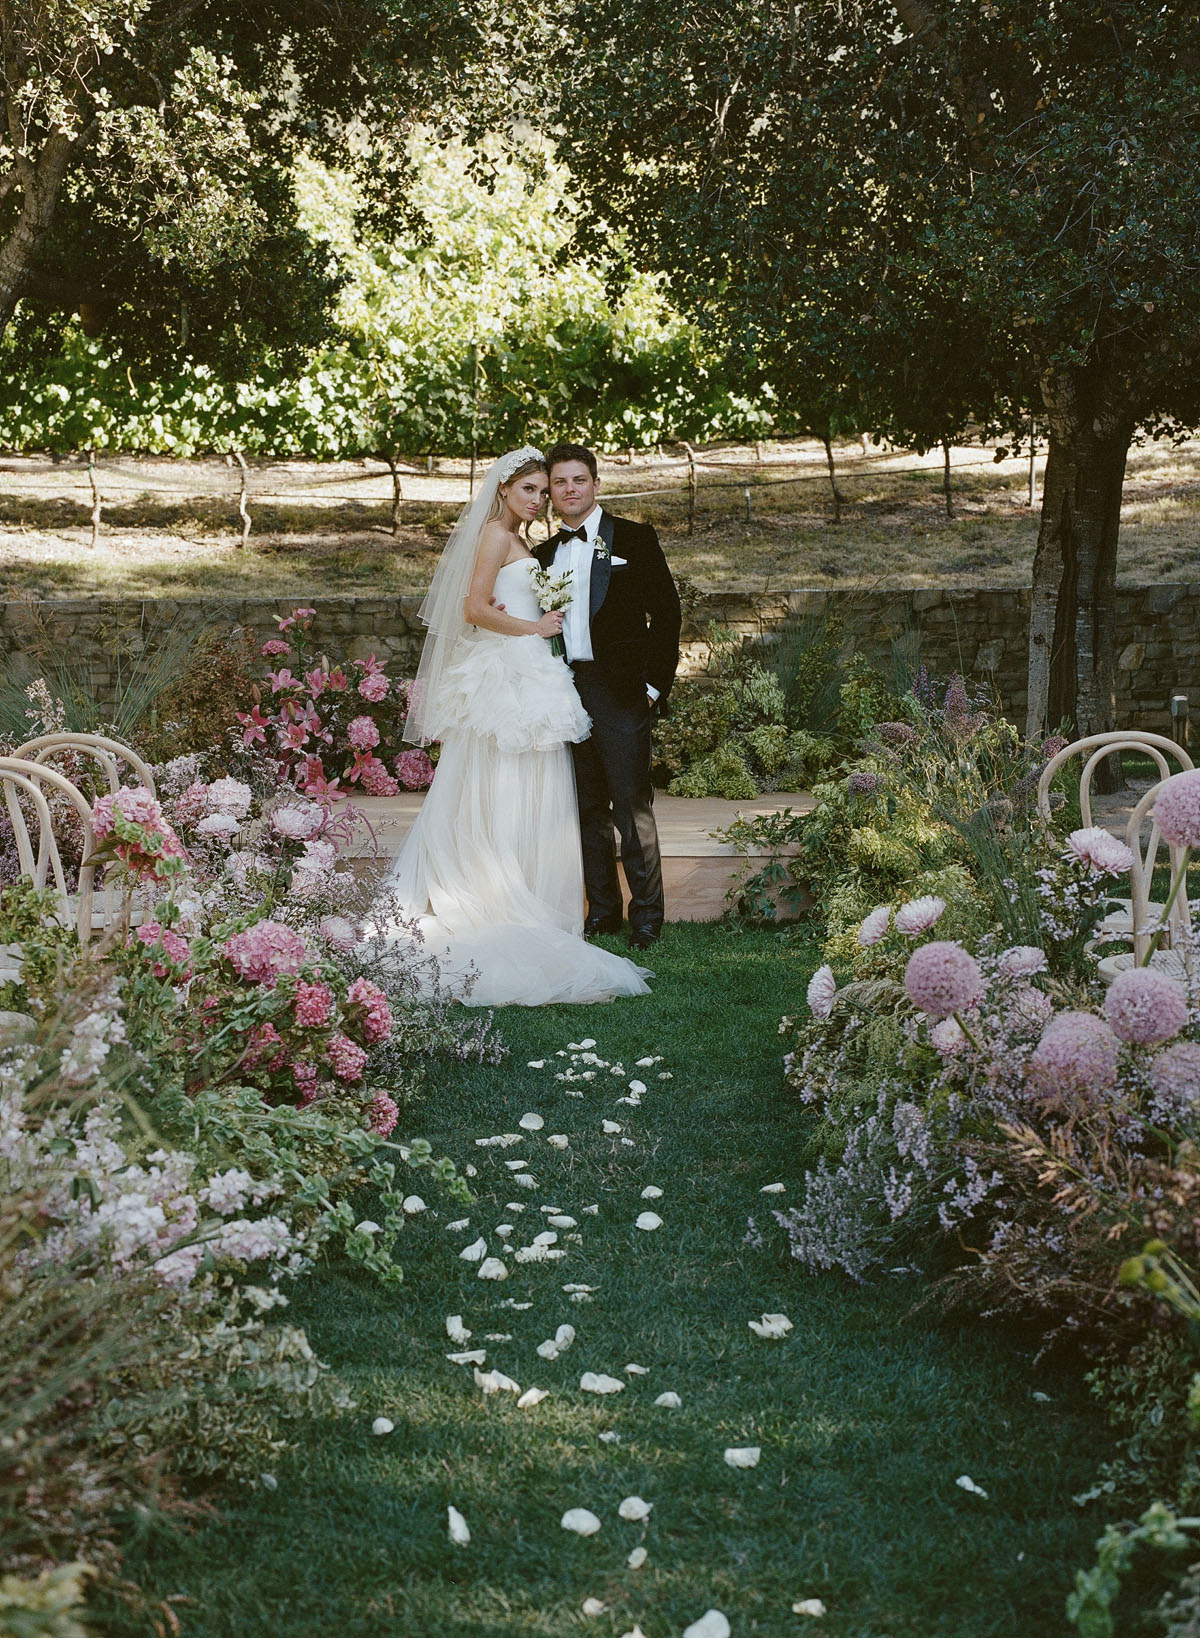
[443,608]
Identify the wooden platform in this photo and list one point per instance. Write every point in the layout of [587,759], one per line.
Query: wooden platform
[697,871]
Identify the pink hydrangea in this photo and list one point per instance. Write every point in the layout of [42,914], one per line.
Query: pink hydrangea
[414,770]
[822,988]
[376,780]
[942,978]
[1077,1055]
[1022,961]
[266,951]
[919,915]
[374,687]
[1145,1007]
[377,1015]
[275,646]
[191,803]
[1177,809]
[382,1114]
[305,1076]
[1099,850]
[346,1058]
[339,932]
[131,802]
[314,1003]
[141,837]
[362,733]
[1175,1072]
[874,926]
[263,1041]
[298,822]
[176,949]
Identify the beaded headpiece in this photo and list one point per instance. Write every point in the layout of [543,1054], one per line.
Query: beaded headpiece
[515,460]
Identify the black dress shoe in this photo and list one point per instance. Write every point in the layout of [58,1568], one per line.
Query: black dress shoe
[641,938]
[595,925]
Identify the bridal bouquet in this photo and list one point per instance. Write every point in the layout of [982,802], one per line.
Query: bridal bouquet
[553,592]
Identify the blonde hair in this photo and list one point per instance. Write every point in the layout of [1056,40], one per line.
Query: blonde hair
[535,465]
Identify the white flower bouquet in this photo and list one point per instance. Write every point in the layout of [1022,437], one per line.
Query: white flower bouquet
[553,592]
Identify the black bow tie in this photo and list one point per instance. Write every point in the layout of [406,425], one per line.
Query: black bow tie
[572,534]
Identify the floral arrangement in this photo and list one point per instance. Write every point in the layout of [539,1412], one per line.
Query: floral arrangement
[331,727]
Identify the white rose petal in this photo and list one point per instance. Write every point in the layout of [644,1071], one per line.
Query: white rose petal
[517,1307]
[457,1226]
[459,1534]
[531,1123]
[808,1606]
[469,1356]
[1040,1398]
[412,1205]
[586,1044]
[502,1230]
[536,1063]
[547,1237]
[591,1211]
[548,1349]
[652,1192]
[475,1252]
[965,1482]
[531,1254]
[628,1142]
[491,1268]
[496,1382]
[531,1397]
[634,1509]
[558,1140]
[597,1382]
[743,1455]
[593,1606]
[636,1370]
[382,1425]
[771,1325]
[560,1220]
[516,1165]
[637,1558]
[612,1437]
[634,1632]
[564,1337]
[525,1180]
[712,1624]
[610,1126]
[455,1329]
[514,1205]
[669,1400]
[498,1336]
[580,1521]
[469,1170]
[649,1221]
[772,1188]
[637,1086]
[576,1290]
[367,1227]
[504,1141]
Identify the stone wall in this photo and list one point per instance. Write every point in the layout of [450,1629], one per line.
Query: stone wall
[1156,636]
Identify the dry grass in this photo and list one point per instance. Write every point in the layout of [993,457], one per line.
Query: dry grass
[171,528]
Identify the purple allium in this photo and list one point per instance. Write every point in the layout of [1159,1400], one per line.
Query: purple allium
[863,783]
[955,705]
[1052,746]
[919,915]
[822,988]
[1177,809]
[1097,848]
[1076,1054]
[896,733]
[1175,1072]
[942,978]
[1145,1007]
[1022,960]
[874,926]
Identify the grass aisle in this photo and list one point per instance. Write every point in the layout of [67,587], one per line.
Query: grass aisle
[865,1418]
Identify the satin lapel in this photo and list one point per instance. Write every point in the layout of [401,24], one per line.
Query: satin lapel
[601,566]
[545,554]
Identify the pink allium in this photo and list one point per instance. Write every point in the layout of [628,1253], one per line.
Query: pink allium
[374,687]
[919,915]
[377,1019]
[191,803]
[1175,1072]
[942,978]
[1145,1007]
[414,770]
[1101,851]
[947,1037]
[822,987]
[229,796]
[875,925]
[1022,960]
[363,734]
[298,822]
[1177,809]
[382,1114]
[176,949]
[313,1005]
[275,646]
[376,780]
[306,1082]
[339,932]
[346,1058]
[266,951]
[1077,1054]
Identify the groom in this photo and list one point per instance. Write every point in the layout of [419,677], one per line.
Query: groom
[621,633]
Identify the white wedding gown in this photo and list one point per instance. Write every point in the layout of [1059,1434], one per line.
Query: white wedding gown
[492,870]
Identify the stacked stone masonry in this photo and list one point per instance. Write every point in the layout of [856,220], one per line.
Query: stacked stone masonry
[982,633]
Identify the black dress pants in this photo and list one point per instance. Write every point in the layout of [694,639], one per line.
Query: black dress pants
[612,780]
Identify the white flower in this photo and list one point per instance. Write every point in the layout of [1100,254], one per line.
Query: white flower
[299,822]
[580,1521]
[964,1481]
[919,915]
[219,824]
[531,1397]
[382,1425]
[339,932]
[809,1606]
[455,1329]
[634,1509]
[771,1325]
[412,1205]
[669,1401]
[648,1220]
[821,990]
[947,1036]
[475,1252]
[712,1624]
[637,1558]
[228,796]
[531,1123]
[597,1382]
[743,1455]
[491,1268]
[875,925]
[457,1525]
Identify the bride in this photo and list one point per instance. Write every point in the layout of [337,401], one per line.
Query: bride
[492,869]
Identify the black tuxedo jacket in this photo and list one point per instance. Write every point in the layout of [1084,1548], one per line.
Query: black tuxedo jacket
[635,614]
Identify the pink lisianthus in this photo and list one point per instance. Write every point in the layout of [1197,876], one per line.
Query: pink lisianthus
[377,1015]
[374,687]
[1022,961]
[1077,1055]
[1096,848]
[414,770]
[264,952]
[314,1002]
[919,915]
[822,988]
[298,823]
[363,734]
[874,926]
[382,1114]
[274,647]
[942,978]
[176,950]
[346,1058]
[1145,1007]
[1177,809]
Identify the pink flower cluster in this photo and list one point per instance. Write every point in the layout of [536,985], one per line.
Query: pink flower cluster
[1145,1007]
[134,826]
[176,950]
[347,1059]
[314,1002]
[1076,1055]
[822,989]
[414,770]
[1177,809]
[363,734]
[1175,1072]
[377,1015]
[942,978]
[266,951]
[382,1114]
[919,915]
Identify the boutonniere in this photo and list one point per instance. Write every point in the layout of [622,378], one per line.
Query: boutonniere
[601,550]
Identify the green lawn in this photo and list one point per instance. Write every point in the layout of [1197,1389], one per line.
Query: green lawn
[865,1416]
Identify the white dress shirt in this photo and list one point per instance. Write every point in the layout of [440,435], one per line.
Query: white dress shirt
[577,556]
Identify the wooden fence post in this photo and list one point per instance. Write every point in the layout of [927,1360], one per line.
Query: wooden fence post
[946,479]
[235,456]
[397,493]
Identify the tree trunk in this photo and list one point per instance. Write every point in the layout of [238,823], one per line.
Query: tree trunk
[40,184]
[1071,660]
[837,494]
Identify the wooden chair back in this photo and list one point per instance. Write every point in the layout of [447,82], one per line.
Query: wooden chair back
[42,864]
[109,753]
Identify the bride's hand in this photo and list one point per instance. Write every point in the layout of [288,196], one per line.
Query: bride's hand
[551,624]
